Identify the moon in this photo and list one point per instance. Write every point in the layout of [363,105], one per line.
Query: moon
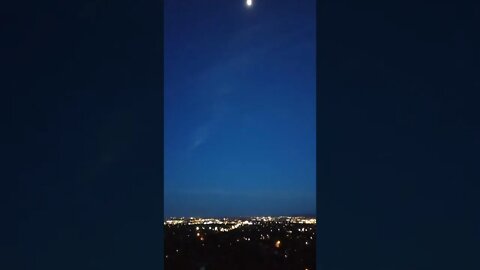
[249,3]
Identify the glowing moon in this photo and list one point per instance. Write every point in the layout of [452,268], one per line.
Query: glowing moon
[249,3]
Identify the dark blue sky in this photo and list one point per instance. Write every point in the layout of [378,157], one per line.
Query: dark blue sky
[397,120]
[239,108]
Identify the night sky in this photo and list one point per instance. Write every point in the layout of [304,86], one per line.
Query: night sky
[397,121]
[239,108]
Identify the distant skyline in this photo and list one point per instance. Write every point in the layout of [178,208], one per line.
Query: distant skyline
[239,108]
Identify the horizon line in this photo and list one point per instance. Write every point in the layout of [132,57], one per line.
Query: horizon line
[243,216]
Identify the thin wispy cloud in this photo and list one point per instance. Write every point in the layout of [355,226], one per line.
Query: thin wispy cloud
[205,130]
[218,110]
[200,136]
[238,109]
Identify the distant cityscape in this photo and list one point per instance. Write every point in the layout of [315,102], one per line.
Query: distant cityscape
[284,242]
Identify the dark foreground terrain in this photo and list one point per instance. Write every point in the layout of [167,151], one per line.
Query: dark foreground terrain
[255,243]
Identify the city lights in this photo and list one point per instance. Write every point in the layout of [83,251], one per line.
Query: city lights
[287,237]
[277,244]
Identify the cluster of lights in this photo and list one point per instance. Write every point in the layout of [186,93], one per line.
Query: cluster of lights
[262,237]
[201,227]
[235,223]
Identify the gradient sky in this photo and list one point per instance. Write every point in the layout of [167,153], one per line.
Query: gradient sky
[239,108]
[398,127]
